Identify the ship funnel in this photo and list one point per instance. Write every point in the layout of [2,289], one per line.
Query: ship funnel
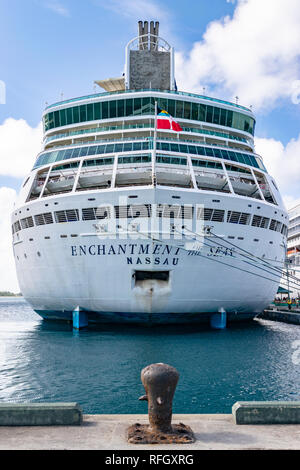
[149,60]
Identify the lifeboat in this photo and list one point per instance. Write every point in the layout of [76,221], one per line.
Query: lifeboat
[63,183]
[208,180]
[95,178]
[127,176]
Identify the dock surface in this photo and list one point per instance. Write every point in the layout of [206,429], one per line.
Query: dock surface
[108,432]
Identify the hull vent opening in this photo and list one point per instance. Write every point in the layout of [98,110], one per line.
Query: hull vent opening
[151,275]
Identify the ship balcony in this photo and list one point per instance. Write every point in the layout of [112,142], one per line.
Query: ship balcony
[140,168]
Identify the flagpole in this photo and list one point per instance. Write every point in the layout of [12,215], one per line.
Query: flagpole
[154,147]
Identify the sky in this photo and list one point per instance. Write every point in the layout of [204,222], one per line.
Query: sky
[54,49]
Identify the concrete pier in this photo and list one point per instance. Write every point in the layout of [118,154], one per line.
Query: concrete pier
[108,432]
[282,315]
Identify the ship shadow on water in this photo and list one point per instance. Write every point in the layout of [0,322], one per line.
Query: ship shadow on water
[146,329]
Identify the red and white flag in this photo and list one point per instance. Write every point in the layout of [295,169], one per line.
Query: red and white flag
[165,121]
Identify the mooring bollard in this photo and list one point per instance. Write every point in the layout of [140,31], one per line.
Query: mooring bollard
[160,382]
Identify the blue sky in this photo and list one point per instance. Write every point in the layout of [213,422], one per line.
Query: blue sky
[245,48]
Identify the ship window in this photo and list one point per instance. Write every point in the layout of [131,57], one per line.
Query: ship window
[42,219]
[129,107]
[27,222]
[97,111]
[234,217]
[70,215]
[120,108]
[96,213]
[216,215]
[112,109]
[105,110]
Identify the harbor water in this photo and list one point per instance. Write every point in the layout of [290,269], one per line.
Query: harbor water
[100,368]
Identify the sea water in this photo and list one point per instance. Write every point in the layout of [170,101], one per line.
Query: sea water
[100,368]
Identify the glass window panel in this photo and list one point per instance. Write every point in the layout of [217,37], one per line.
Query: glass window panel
[100,149]
[128,147]
[233,156]
[247,159]
[76,152]
[209,152]
[75,114]
[162,103]
[129,107]
[145,145]
[69,116]
[137,146]
[201,151]
[84,151]
[109,148]
[68,153]
[90,112]
[225,154]
[56,119]
[146,108]
[229,118]
[217,153]
[62,116]
[137,106]
[174,148]
[118,147]
[60,155]
[216,118]
[164,146]
[171,107]
[195,109]
[223,117]
[192,149]
[82,112]
[202,112]
[104,110]
[179,109]
[187,110]
[97,111]
[120,108]
[92,150]
[112,109]
[209,114]
[240,157]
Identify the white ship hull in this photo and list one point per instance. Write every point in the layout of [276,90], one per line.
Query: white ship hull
[74,264]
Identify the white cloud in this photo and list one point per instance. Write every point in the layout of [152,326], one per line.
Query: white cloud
[283,163]
[19,146]
[58,8]
[255,54]
[8,278]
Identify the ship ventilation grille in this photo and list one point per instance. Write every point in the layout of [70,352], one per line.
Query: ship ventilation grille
[133,211]
[174,211]
[96,213]
[27,222]
[259,221]
[70,215]
[213,215]
[238,217]
[43,219]
[275,225]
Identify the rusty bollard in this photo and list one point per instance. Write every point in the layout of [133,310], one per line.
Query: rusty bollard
[160,382]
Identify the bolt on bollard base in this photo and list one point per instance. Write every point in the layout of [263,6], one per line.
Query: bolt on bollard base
[159,381]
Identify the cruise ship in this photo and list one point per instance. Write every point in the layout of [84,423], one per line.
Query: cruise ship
[123,221]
